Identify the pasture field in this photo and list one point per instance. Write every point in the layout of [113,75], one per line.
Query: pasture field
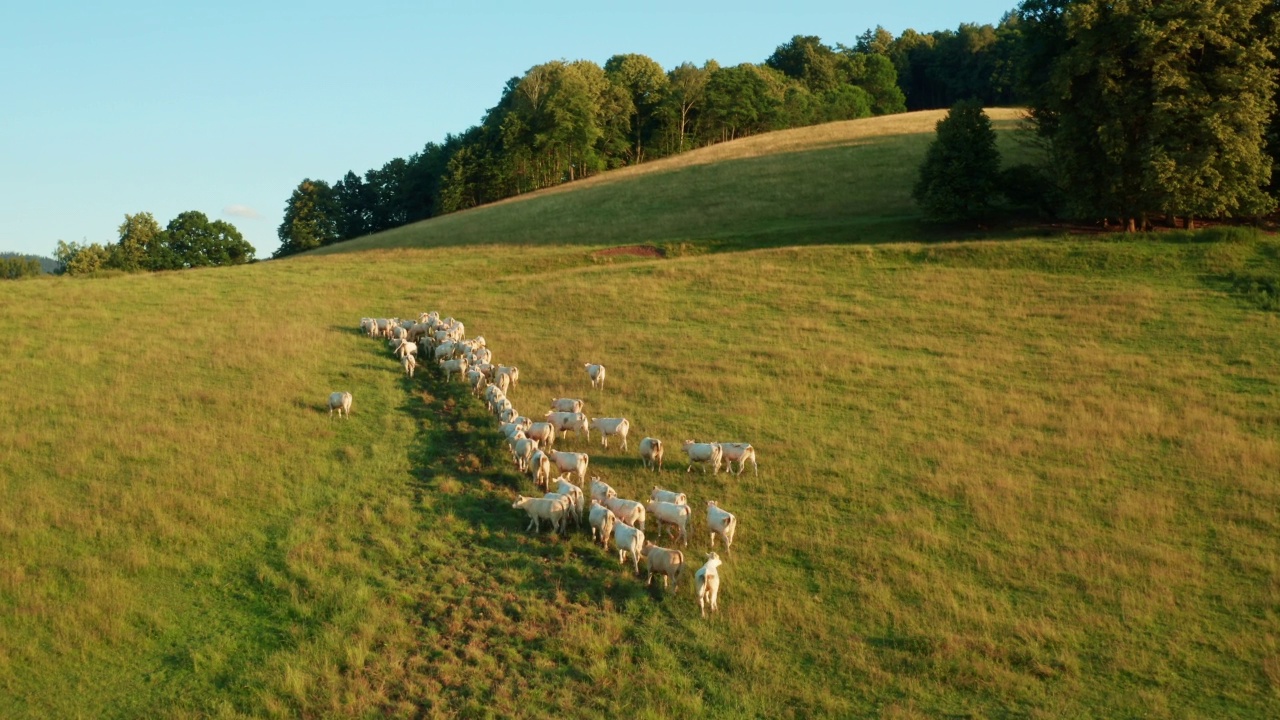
[1028,478]
[1005,491]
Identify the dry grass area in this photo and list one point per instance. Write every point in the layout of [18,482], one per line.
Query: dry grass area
[1033,479]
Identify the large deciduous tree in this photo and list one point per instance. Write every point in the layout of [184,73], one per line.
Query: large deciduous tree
[138,233]
[740,101]
[686,95]
[310,218]
[806,59]
[198,242]
[1154,107]
[644,83]
[354,202]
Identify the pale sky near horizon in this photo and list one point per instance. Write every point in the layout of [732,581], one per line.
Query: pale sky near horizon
[163,107]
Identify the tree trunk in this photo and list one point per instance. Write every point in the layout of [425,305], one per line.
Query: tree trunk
[1130,227]
[1191,222]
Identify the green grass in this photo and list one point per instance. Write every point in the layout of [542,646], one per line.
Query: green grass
[840,182]
[1034,478]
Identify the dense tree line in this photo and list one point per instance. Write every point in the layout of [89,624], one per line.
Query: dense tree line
[189,240]
[941,68]
[562,121]
[15,267]
[1149,110]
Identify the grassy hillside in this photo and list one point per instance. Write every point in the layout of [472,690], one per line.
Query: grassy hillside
[840,182]
[1030,478]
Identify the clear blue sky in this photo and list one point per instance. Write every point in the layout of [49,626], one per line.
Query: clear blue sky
[129,106]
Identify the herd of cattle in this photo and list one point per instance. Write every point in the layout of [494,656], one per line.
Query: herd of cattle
[531,443]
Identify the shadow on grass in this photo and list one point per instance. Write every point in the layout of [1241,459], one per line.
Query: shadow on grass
[461,461]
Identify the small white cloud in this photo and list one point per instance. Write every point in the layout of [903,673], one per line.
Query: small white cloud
[242,211]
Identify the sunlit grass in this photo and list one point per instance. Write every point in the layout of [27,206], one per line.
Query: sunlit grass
[1029,478]
[982,490]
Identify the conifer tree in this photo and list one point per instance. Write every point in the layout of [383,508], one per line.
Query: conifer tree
[960,171]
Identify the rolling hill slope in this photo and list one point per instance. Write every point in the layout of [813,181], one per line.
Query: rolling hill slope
[840,182]
[1033,478]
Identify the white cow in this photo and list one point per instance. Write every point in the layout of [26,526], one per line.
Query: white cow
[670,496]
[651,453]
[540,469]
[410,364]
[703,454]
[565,422]
[721,522]
[667,563]
[511,372]
[502,382]
[574,493]
[522,449]
[543,432]
[596,372]
[572,405]
[706,583]
[540,509]
[600,490]
[739,453]
[677,516]
[602,522]
[340,401]
[629,540]
[612,426]
[630,512]
[502,404]
[476,379]
[570,462]
[492,393]
[450,367]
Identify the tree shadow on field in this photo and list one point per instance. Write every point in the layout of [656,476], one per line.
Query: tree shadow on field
[462,468]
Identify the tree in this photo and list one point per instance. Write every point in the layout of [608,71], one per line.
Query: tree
[644,82]
[877,41]
[876,75]
[310,218]
[847,102]
[806,59]
[138,232]
[354,202]
[959,176]
[1153,108]
[76,259]
[197,242]
[14,268]
[686,93]
[386,186]
[740,101]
